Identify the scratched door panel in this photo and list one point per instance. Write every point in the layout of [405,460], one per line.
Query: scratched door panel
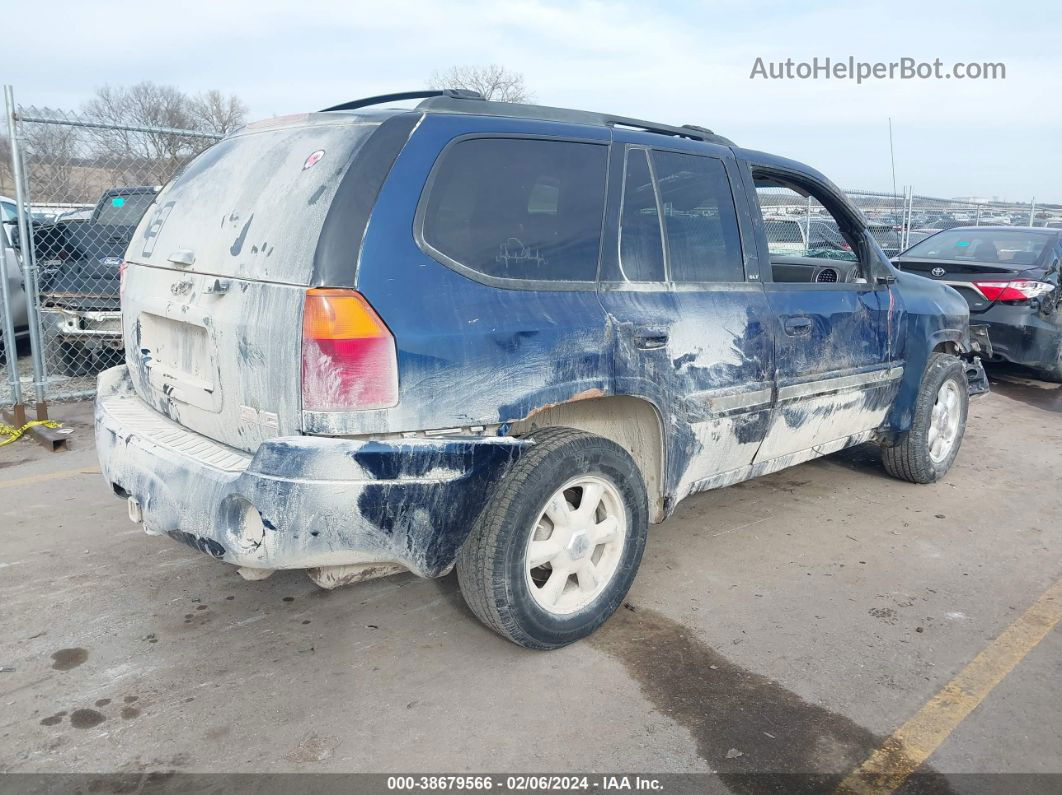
[691,335]
[711,379]
[834,377]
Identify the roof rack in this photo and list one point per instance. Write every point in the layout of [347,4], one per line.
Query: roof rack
[455,100]
[454,93]
[451,103]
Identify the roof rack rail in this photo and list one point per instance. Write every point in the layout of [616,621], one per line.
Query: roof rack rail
[698,128]
[452,93]
[454,102]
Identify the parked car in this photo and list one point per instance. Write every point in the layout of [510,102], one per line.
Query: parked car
[79,261]
[791,236]
[825,239]
[493,336]
[1010,278]
[11,272]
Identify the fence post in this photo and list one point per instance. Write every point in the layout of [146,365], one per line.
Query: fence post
[905,218]
[29,265]
[10,347]
[1032,211]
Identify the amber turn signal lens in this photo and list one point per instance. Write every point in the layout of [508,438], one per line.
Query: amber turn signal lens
[340,315]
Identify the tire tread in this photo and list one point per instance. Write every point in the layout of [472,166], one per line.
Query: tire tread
[907,459]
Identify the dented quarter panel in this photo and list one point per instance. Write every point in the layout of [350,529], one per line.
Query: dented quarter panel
[468,353]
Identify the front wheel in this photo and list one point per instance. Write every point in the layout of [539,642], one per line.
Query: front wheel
[926,452]
[556,549]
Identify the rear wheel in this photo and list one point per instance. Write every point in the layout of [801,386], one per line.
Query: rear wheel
[557,547]
[926,452]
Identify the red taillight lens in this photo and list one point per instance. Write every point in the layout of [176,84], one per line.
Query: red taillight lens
[349,361]
[1013,292]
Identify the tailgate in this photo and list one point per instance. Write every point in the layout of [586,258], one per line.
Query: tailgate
[220,356]
[217,274]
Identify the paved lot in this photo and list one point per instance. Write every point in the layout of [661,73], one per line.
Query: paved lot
[796,620]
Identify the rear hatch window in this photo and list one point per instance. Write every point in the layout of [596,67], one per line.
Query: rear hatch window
[252,206]
[983,249]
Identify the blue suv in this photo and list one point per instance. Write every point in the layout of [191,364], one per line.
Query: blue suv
[500,337]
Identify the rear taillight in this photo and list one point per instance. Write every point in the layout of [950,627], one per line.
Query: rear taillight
[1013,292]
[349,361]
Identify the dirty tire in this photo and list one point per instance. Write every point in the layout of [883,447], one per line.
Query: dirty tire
[491,566]
[910,458]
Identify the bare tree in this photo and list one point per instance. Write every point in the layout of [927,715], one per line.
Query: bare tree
[151,153]
[214,112]
[52,155]
[7,182]
[494,82]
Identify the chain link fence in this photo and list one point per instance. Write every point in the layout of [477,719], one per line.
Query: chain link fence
[86,181]
[86,184]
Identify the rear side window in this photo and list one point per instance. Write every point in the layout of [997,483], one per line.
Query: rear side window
[641,244]
[516,208]
[704,243]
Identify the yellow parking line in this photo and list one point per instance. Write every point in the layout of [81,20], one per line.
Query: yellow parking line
[66,473]
[910,745]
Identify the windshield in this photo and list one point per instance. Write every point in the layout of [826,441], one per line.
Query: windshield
[124,209]
[976,245]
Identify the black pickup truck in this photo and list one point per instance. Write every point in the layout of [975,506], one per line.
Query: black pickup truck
[79,261]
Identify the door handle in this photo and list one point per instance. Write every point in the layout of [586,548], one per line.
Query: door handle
[650,338]
[797,326]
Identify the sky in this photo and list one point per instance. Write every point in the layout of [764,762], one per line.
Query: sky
[666,61]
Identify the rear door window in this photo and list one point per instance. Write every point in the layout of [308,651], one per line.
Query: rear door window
[519,209]
[703,241]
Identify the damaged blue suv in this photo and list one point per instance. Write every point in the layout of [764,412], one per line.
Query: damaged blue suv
[500,337]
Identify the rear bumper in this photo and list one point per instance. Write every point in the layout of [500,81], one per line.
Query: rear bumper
[102,326]
[1020,334]
[298,502]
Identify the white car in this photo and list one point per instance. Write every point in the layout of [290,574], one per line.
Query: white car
[11,271]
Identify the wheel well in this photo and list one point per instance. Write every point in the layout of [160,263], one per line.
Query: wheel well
[630,422]
[947,347]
